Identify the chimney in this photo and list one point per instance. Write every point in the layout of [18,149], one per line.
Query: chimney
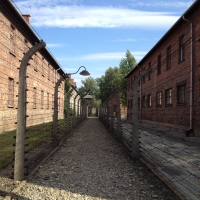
[27,18]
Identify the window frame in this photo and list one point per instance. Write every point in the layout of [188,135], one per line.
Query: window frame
[159,98]
[10,92]
[149,100]
[168,59]
[181,94]
[168,97]
[12,39]
[159,64]
[182,48]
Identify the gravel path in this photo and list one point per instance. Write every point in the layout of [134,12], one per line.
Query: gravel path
[92,165]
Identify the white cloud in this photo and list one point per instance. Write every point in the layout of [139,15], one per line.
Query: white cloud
[163,4]
[55,45]
[103,56]
[67,16]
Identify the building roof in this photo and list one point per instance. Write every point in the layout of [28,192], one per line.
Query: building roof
[177,23]
[88,96]
[21,24]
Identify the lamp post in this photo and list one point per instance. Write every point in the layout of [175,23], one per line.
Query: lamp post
[55,114]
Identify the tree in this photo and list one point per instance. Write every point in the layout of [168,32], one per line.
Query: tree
[90,84]
[108,82]
[125,66]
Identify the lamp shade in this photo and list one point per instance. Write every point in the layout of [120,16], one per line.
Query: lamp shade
[84,73]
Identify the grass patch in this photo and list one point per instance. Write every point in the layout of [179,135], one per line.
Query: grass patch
[37,135]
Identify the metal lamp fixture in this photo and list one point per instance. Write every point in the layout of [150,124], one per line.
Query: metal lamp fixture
[83,73]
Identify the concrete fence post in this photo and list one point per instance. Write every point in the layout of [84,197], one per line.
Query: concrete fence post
[21,113]
[75,111]
[135,126]
[119,129]
[111,115]
[55,114]
[68,110]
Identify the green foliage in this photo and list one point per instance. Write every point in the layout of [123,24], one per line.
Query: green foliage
[113,78]
[125,66]
[67,88]
[91,84]
[108,82]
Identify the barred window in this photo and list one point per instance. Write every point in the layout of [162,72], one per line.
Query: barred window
[149,73]
[42,99]
[182,48]
[34,97]
[12,39]
[159,98]
[149,100]
[168,96]
[181,90]
[159,64]
[168,60]
[10,92]
[47,100]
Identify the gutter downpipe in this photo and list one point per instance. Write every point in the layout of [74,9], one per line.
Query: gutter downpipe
[191,78]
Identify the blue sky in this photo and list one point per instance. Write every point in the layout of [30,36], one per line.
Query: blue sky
[96,34]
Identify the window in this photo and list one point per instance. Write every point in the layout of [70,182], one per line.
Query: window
[34,97]
[159,98]
[25,45]
[12,39]
[168,97]
[168,60]
[43,66]
[181,94]
[47,100]
[42,99]
[49,71]
[159,64]
[143,101]
[52,101]
[10,92]
[143,77]
[149,100]
[131,83]
[35,62]
[131,103]
[182,48]
[149,73]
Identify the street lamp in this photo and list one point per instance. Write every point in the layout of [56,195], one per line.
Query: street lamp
[83,73]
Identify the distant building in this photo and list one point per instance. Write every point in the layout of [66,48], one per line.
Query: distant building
[169,94]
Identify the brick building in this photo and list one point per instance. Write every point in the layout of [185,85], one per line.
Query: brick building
[16,37]
[169,94]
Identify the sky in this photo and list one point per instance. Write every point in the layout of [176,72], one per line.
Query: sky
[97,34]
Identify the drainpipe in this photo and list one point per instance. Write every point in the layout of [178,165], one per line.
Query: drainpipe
[191,78]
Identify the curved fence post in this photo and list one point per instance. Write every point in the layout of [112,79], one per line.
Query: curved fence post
[68,110]
[21,113]
[119,128]
[55,114]
[135,127]
[75,114]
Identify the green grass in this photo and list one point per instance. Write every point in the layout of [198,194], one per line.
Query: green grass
[37,135]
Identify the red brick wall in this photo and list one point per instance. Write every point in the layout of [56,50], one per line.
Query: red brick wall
[43,79]
[175,115]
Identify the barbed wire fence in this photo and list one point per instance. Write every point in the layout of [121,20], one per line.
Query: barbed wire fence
[165,150]
[38,122]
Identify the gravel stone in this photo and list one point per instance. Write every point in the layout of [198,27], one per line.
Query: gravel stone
[92,165]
